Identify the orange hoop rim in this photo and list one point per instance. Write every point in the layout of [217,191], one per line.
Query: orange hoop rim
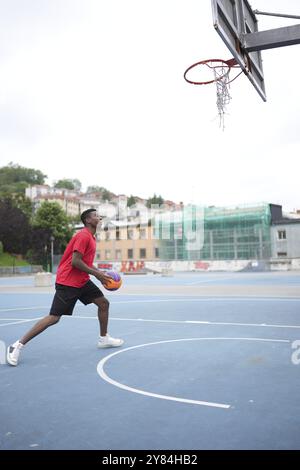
[230,63]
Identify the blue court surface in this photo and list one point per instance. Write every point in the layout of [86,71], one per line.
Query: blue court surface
[210,361]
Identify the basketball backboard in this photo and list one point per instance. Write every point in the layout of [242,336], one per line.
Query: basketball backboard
[233,19]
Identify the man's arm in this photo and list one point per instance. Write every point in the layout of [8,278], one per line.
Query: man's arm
[79,264]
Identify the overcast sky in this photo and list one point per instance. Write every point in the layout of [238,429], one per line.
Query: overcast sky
[94,90]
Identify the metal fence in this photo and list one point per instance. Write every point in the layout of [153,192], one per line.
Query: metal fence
[17,270]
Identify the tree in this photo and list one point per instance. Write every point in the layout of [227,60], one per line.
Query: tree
[104,193]
[39,250]
[18,200]
[154,200]
[94,189]
[22,202]
[15,178]
[131,201]
[51,217]
[73,184]
[15,229]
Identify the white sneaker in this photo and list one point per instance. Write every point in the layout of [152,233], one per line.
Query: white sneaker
[13,353]
[109,342]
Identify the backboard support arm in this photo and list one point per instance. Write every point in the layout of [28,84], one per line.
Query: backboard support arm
[272,38]
[281,15]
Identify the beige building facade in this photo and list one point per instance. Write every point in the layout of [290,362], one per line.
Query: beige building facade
[122,241]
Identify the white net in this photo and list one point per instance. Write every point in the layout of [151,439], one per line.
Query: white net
[223,96]
[221,70]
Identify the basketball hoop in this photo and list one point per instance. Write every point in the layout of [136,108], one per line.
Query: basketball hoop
[221,70]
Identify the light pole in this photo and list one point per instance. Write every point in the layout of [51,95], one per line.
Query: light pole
[52,240]
[46,265]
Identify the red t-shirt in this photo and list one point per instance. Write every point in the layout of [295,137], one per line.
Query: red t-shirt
[85,243]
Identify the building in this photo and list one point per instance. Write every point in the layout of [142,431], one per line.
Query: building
[71,201]
[285,236]
[226,233]
[259,232]
[32,192]
[126,241]
[69,204]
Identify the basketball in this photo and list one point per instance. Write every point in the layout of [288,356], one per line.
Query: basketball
[115,282]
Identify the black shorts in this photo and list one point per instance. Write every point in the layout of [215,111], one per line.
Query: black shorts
[66,297]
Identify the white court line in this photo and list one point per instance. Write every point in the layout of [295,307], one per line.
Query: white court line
[269,325]
[104,376]
[216,279]
[209,299]
[186,299]
[20,321]
[13,319]
[146,320]
[17,309]
[200,322]
[204,322]
[207,296]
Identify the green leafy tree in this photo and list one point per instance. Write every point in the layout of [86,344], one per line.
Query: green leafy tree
[51,217]
[154,200]
[131,201]
[104,193]
[73,184]
[15,178]
[15,230]
[94,189]
[40,246]
[18,200]
[22,202]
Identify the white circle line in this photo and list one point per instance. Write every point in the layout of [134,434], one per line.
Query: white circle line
[104,376]
[209,299]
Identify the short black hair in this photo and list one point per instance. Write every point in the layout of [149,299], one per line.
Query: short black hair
[85,214]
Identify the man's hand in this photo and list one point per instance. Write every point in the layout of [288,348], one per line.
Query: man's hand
[102,277]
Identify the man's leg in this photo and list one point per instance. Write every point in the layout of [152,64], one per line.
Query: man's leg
[105,341]
[39,327]
[13,351]
[103,311]
[63,303]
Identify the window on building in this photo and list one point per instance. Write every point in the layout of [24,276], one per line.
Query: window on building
[98,255]
[142,252]
[282,254]
[281,234]
[156,252]
[130,234]
[117,234]
[143,234]
[130,253]
[107,254]
[118,254]
[107,235]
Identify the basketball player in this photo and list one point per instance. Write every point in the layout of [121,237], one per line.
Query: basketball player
[73,283]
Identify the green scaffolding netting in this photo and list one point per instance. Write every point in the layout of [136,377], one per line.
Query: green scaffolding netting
[215,233]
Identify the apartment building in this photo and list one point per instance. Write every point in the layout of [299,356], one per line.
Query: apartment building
[127,240]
